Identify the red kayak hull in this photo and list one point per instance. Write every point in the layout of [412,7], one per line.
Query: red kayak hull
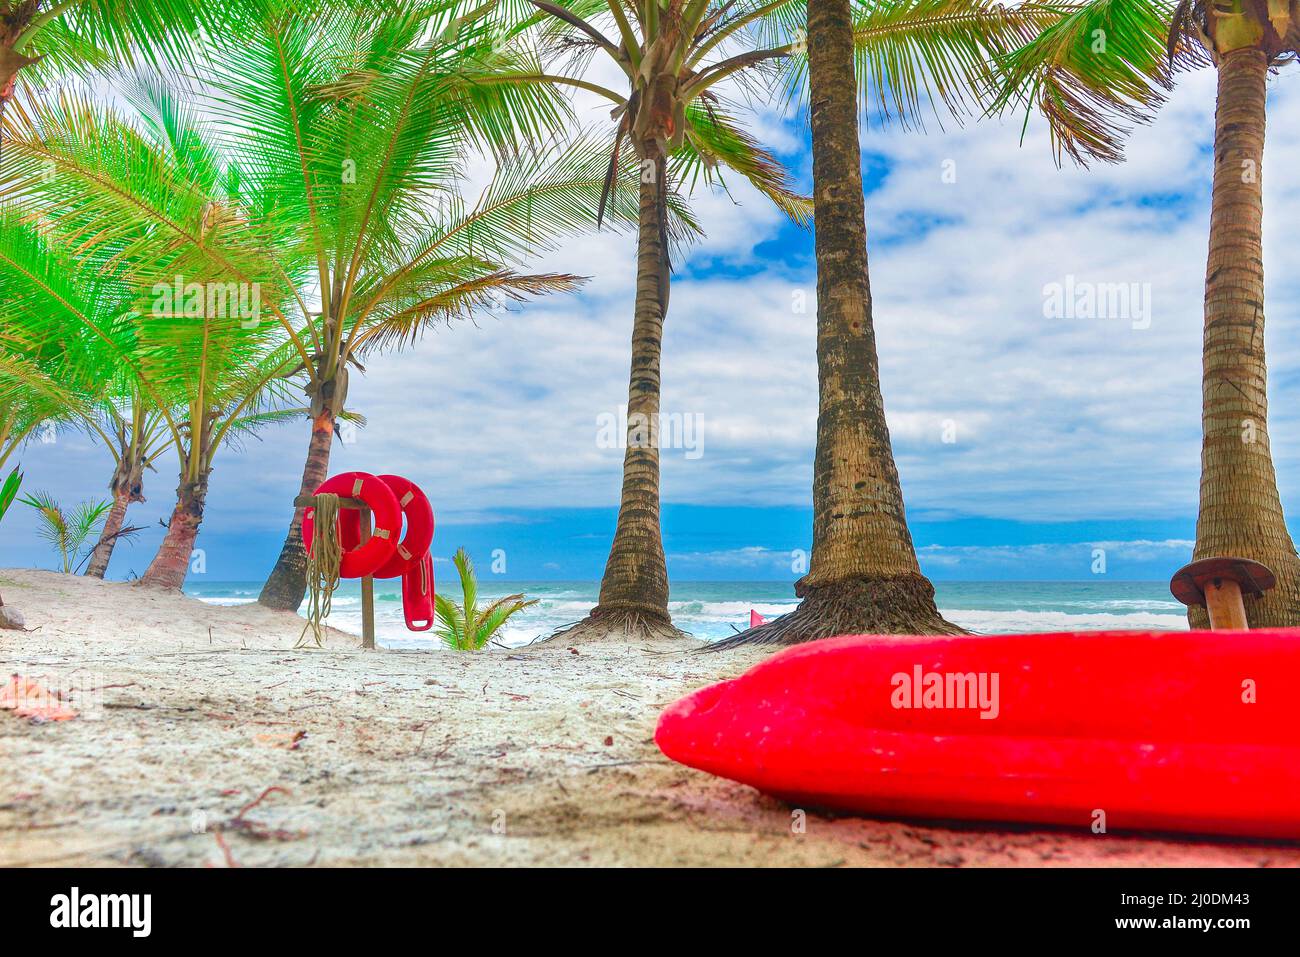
[1190,731]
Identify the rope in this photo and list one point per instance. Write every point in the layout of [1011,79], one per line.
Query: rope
[322,566]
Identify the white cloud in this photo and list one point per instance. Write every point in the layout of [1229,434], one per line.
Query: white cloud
[752,558]
[1054,553]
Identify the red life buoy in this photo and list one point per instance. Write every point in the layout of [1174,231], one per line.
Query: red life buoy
[360,560]
[417,594]
[419,527]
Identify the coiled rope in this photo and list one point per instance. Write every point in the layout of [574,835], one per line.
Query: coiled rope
[322,566]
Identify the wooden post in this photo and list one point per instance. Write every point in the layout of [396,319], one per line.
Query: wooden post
[1224,603]
[367,583]
[367,589]
[1221,584]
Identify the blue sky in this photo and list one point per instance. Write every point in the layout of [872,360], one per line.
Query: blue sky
[1026,442]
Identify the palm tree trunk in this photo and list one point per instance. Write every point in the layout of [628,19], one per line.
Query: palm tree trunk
[103,552]
[287,583]
[634,588]
[864,576]
[1241,512]
[127,486]
[172,563]
[16,18]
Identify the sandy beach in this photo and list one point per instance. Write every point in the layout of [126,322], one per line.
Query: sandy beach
[543,755]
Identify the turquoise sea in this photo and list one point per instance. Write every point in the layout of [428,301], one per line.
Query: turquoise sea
[712,610]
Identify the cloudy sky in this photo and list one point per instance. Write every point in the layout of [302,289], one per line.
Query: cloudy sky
[1026,439]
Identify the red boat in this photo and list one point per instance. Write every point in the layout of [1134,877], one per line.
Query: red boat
[1190,731]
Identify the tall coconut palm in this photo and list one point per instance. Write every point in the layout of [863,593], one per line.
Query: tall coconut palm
[902,55]
[356,135]
[1108,64]
[96,393]
[671,116]
[91,281]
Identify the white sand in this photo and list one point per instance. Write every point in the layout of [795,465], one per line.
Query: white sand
[538,756]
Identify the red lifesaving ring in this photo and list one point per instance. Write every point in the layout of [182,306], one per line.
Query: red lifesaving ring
[419,527]
[361,560]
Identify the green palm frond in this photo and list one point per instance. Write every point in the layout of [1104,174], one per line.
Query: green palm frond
[451,623]
[45,287]
[67,534]
[9,490]
[258,392]
[47,377]
[714,140]
[62,37]
[535,200]
[468,588]
[355,133]
[350,126]
[673,59]
[248,426]
[53,526]
[401,321]
[495,615]
[1103,67]
[915,57]
[126,200]
[143,276]
[83,523]
[145,29]
[466,627]
[452,265]
[80,37]
[32,392]
[59,50]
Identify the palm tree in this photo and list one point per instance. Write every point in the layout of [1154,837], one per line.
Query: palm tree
[327,184]
[356,135]
[466,627]
[864,576]
[671,117]
[241,395]
[88,281]
[67,532]
[1090,95]
[84,384]
[135,434]
[79,36]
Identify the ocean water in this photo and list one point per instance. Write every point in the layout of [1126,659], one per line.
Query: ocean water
[713,610]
